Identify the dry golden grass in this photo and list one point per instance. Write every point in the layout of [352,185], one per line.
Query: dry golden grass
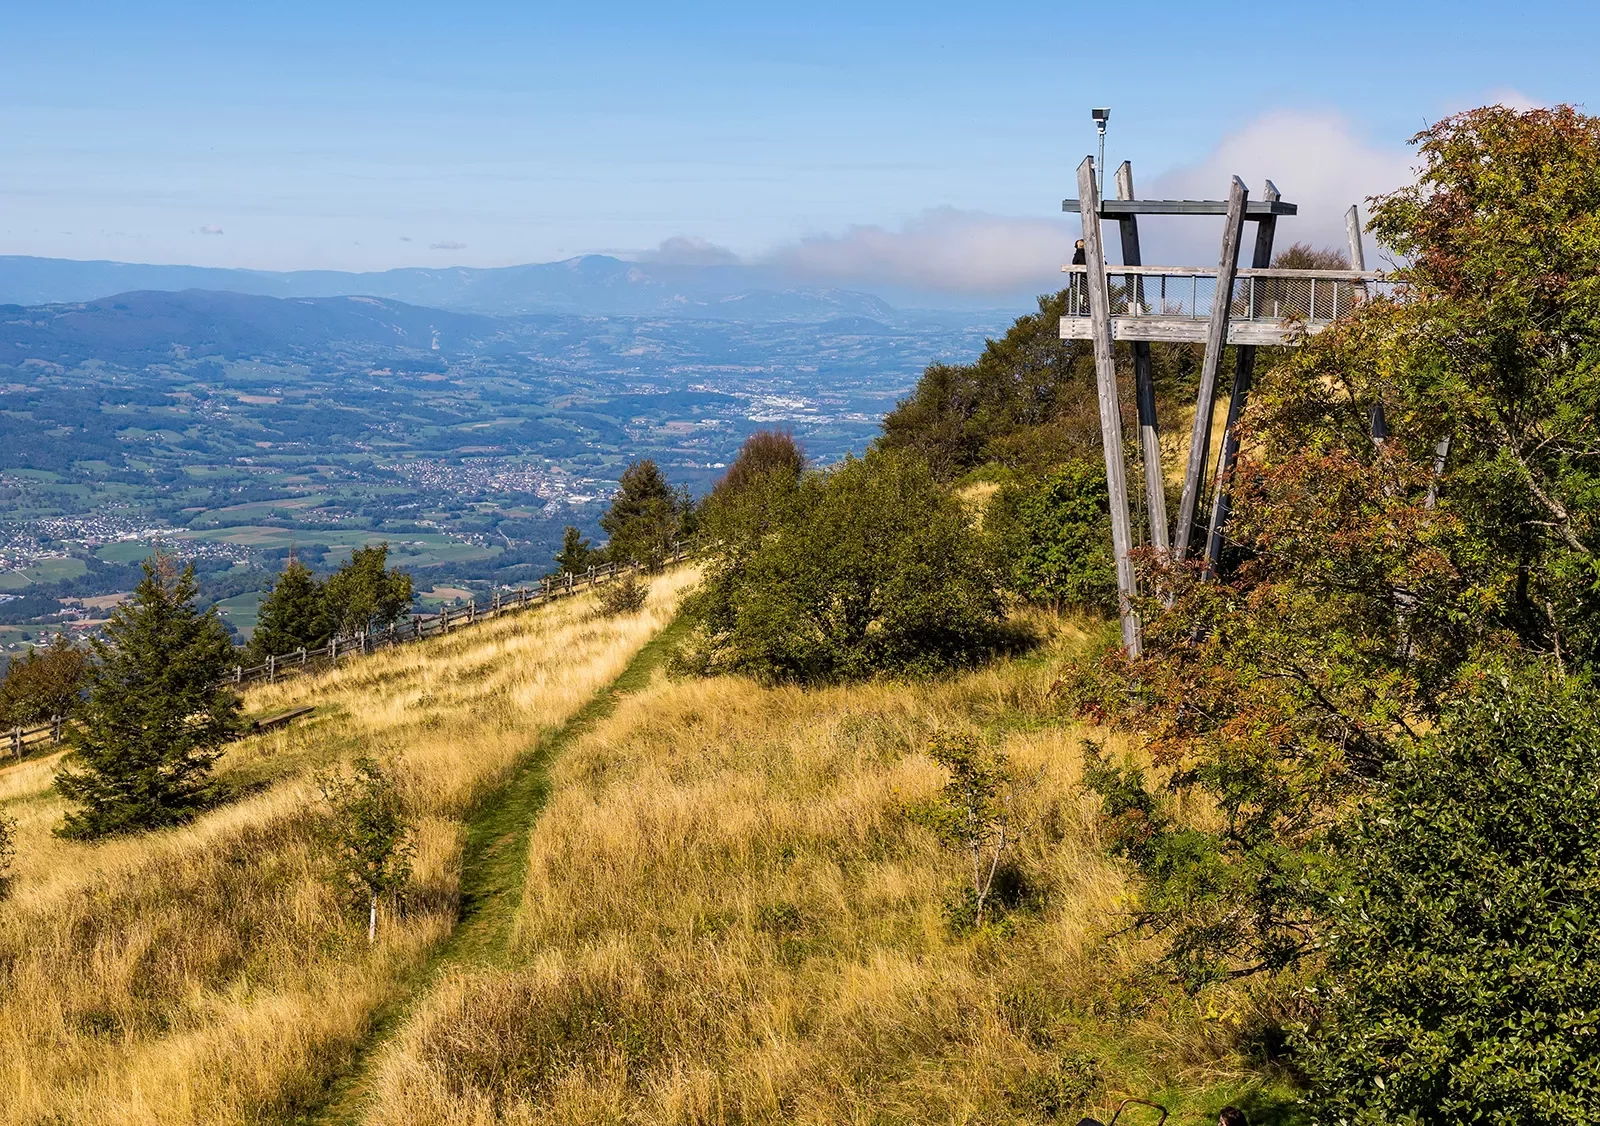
[730,918]
[214,974]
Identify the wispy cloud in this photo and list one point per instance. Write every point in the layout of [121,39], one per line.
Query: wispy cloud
[686,250]
[447,246]
[943,250]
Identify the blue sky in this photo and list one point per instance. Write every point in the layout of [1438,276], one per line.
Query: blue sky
[835,136]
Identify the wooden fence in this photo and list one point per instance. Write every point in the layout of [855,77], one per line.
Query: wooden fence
[19,739]
[348,646]
[448,620]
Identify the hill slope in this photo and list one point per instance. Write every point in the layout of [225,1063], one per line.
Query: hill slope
[726,911]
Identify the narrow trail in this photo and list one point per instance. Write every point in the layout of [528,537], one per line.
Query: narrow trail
[493,864]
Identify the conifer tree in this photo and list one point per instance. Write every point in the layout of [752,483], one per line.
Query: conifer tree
[294,614]
[157,714]
[576,555]
[645,516]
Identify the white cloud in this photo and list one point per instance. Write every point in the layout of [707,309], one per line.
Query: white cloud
[447,246]
[1316,160]
[210,230]
[943,250]
[686,250]
[1511,99]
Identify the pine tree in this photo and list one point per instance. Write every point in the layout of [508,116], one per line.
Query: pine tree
[644,517]
[576,555]
[294,614]
[157,713]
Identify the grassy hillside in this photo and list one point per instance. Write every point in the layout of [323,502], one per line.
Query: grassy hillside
[215,974]
[637,899]
[728,916]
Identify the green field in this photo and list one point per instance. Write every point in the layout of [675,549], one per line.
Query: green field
[242,611]
[129,551]
[45,571]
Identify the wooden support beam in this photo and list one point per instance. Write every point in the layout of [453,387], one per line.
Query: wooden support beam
[1110,409]
[1216,340]
[1243,373]
[1155,488]
[1352,230]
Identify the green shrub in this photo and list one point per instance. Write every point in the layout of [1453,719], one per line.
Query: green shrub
[870,567]
[626,595]
[1055,537]
[1464,973]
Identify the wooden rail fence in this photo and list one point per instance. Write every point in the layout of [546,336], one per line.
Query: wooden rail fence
[448,620]
[421,626]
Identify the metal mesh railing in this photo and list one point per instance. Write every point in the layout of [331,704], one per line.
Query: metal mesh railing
[1311,296]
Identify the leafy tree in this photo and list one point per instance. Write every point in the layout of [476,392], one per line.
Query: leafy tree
[873,568]
[1029,381]
[575,556]
[764,452]
[1464,969]
[370,835]
[157,713]
[645,516]
[1056,537]
[45,683]
[295,613]
[363,596]
[1373,575]
[744,504]
[1028,403]
[1303,256]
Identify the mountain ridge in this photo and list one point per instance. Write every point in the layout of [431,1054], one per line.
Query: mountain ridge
[594,284]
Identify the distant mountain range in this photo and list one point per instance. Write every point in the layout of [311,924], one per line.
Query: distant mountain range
[152,325]
[594,285]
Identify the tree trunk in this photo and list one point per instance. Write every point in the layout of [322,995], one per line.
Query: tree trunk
[372,920]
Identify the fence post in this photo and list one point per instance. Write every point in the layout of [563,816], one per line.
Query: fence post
[472,610]
[16,741]
[55,730]
[569,582]
[238,674]
[333,649]
[272,668]
[302,655]
[496,610]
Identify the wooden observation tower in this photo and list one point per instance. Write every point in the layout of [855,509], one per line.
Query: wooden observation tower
[1249,307]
